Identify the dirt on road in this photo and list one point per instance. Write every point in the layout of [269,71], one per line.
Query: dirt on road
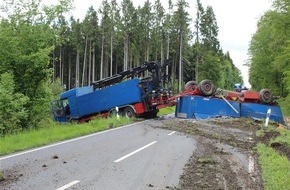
[225,158]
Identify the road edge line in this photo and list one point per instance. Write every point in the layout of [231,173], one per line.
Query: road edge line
[66,141]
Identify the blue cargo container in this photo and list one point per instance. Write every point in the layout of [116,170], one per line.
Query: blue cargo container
[259,111]
[101,100]
[205,107]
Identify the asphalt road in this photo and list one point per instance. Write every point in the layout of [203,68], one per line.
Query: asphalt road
[138,156]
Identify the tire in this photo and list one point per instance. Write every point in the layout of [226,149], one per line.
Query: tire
[151,114]
[206,87]
[266,96]
[191,85]
[129,112]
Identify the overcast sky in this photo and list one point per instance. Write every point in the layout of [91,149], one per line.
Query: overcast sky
[236,19]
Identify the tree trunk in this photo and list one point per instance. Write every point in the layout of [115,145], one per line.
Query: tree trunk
[53,65]
[69,71]
[85,60]
[180,64]
[167,56]
[131,57]
[173,73]
[94,64]
[102,59]
[126,53]
[197,53]
[60,66]
[147,56]
[111,65]
[77,68]
[161,51]
[90,63]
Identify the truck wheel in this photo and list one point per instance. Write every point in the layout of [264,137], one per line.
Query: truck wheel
[150,115]
[265,96]
[206,87]
[129,112]
[191,85]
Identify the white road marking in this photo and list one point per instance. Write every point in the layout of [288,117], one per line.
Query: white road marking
[64,142]
[251,164]
[172,133]
[68,185]
[134,152]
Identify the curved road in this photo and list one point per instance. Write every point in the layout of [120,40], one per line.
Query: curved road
[137,156]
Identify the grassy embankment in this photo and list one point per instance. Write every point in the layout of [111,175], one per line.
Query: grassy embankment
[273,160]
[56,132]
[275,164]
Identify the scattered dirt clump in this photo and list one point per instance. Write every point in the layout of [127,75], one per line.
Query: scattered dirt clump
[224,157]
[282,148]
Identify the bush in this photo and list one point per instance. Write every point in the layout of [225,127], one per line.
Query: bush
[12,106]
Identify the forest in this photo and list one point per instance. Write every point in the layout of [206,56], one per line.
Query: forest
[44,51]
[269,50]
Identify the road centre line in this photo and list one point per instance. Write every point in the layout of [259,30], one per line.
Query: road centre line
[68,185]
[171,133]
[134,152]
[67,141]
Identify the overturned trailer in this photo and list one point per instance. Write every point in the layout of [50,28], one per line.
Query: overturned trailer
[222,103]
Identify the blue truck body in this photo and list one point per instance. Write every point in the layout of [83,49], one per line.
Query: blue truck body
[85,101]
[102,100]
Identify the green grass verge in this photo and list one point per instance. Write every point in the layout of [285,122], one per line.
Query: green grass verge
[165,111]
[56,132]
[275,168]
[284,137]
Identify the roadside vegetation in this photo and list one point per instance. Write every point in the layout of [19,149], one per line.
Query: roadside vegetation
[274,157]
[165,111]
[285,106]
[56,132]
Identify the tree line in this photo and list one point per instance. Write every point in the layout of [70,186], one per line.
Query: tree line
[43,50]
[270,50]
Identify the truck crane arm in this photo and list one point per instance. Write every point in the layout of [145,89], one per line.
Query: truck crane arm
[152,66]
